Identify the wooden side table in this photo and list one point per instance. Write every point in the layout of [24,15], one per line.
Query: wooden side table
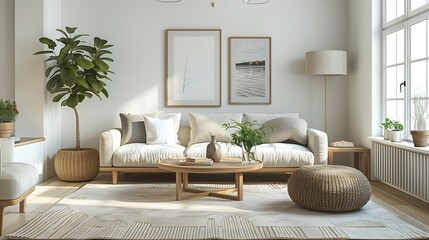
[361,157]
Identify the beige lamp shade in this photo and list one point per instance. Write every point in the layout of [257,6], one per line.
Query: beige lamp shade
[327,62]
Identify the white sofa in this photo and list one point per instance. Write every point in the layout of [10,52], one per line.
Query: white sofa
[292,145]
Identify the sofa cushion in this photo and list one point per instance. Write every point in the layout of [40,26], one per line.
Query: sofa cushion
[160,131]
[133,128]
[287,128]
[198,150]
[144,155]
[16,179]
[203,126]
[284,155]
[261,118]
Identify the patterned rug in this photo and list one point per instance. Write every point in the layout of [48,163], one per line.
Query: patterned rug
[150,211]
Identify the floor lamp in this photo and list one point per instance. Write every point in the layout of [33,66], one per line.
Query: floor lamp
[326,63]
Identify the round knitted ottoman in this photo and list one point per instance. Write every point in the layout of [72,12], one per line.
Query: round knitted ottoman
[329,188]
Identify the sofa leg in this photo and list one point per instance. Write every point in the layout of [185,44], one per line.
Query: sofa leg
[22,205]
[1,220]
[115,177]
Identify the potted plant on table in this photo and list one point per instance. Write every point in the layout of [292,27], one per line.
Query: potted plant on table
[396,131]
[76,73]
[247,136]
[386,127]
[8,115]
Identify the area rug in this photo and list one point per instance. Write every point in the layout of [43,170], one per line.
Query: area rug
[150,211]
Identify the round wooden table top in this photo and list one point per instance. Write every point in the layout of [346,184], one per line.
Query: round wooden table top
[226,165]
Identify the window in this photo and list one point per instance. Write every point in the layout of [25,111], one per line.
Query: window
[405,60]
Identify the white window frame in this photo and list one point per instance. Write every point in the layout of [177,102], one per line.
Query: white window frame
[403,22]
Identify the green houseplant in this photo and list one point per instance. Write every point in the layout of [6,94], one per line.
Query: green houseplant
[386,127]
[247,136]
[8,114]
[396,134]
[77,72]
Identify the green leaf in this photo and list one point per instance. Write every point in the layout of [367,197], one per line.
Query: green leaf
[48,71]
[82,82]
[95,84]
[64,103]
[106,59]
[61,31]
[43,52]
[81,97]
[74,44]
[104,91]
[50,85]
[79,36]
[107,46]
[71,29]
[72,101]
[102,65]
[84,63]
[85,48]
[63,52]
[49,42]
[68,76]
[99,43]
[102,52]
[59,96]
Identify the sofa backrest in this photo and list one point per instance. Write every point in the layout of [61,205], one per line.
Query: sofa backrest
[184,135]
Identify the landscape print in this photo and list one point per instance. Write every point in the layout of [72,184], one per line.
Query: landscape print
[250,70]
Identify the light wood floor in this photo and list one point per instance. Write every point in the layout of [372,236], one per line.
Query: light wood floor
[49,192]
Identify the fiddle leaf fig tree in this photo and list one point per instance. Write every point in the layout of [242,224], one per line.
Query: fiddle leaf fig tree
[78,71]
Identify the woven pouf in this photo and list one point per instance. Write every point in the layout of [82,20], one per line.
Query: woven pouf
[329,188]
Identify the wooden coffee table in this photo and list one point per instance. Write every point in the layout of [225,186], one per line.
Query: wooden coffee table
[226,165]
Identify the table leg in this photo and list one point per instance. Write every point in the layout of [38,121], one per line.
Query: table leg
[365,162]
[330,158]
[185,181]
[178,186]
[357,159]
[239,185]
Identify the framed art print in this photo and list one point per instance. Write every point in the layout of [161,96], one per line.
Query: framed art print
[249,70]
[193,68]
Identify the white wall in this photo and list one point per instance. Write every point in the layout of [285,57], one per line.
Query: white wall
[7,48]
[364,90]
[136,28]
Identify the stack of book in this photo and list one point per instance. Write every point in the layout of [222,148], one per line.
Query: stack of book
[196,162]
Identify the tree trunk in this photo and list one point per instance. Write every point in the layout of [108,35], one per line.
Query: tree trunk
[77,129]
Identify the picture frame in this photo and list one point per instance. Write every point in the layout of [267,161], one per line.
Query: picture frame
[193,68]
[249,70]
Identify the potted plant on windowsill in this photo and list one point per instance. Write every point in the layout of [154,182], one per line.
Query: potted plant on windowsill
[76,73]
[247,136]
[396,134]
[420,113]
[386,127]
[8,115]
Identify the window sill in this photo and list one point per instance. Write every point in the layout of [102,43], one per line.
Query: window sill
[402,145]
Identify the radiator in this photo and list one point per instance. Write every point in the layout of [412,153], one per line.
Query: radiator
[404,168]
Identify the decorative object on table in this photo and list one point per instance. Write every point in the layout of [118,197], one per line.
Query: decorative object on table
[248,135]
[214,151]
[420,112]
[249,70]
[326,63]
[8,115]
[78,72]
[420,137]
[193,68]
[342,144]
[329,188]
[386,127]
[396,131]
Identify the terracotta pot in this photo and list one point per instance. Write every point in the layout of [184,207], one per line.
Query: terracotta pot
[73,165]
[6,129]
[420,137]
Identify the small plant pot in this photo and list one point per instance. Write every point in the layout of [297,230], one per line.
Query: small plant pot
[387,134]
[396,136]
[420,137]
[6,129]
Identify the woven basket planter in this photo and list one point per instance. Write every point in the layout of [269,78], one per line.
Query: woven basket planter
[73,165]
[329,188]
[6,129]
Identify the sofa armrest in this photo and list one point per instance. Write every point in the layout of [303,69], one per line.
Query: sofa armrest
[318,144]
[110,141]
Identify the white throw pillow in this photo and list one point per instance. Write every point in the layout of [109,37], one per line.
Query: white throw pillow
[264,117]
[203,126]
[176,121]
[160,131]
[287,128]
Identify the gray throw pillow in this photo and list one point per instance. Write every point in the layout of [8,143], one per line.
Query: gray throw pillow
[133,128]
